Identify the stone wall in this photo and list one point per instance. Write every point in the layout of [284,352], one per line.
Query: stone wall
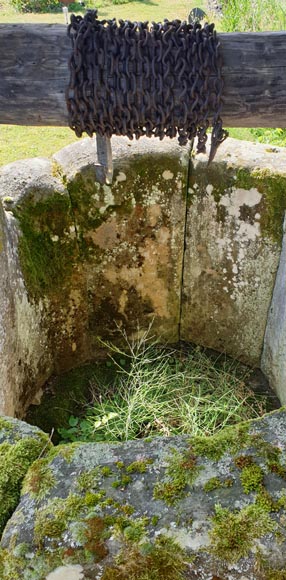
[191,250]
[233,244]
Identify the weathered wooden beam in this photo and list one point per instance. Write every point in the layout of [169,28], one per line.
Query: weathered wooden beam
[34,75]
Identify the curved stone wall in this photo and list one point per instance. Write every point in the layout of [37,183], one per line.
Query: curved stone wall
[189,249]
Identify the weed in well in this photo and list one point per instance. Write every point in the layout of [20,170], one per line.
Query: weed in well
[162,391]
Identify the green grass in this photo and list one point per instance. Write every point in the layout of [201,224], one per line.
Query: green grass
[253,15]
[24,142]
[138,10]
[159,391]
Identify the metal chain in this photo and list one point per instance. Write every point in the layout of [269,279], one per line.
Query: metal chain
[135,79]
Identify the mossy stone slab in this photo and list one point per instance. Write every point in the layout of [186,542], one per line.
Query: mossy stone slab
[86,503]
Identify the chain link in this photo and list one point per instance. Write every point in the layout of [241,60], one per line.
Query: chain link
[134,79]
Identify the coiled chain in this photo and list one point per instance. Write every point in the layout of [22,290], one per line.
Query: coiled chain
[135,79]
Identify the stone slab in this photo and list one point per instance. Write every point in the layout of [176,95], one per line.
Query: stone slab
[233,245]
[273,362]
[222,500]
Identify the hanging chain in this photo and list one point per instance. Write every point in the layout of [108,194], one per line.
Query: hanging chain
[135,79]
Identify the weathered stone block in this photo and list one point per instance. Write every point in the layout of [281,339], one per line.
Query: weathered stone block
[273,361]
[130,236]
[178,508]
[25,361]
[233,244]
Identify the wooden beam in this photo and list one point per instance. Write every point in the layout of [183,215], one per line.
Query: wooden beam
[34,75]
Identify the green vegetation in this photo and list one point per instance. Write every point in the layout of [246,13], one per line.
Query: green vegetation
[161,560]
[233,533]
[39,479]
[182,471]
[70,392]
[216,483]
[230,440]
[15,460]
[253,16]
[35,5]
[251,478]
[139,466]
[52,520]
[46,253]
[159,391]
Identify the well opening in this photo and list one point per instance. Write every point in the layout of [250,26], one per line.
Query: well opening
[194,249]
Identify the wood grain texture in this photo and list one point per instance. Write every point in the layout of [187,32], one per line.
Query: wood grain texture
[34,75]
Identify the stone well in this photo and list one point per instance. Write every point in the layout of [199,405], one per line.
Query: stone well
[191,249]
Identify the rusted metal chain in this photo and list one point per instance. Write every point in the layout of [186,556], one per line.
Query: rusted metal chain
[134,79]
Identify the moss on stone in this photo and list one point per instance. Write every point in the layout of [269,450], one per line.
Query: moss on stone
[139,466]
[47,250]
[11,566]
[6,425]
[182,470]
[123,481]
[135,530]
[51,521]
[89,479]
[272,186]
[275,574]
[276,467]
[243,461]
[230,440]
[233,533]
[216,483]
[39,479]
[119,464]
[266,502]
[95,533]
[266,570]
[106,471]
[211,484]
[251,478]
[15,460]
[162,560]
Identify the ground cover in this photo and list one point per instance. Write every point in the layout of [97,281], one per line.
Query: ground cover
[145,389]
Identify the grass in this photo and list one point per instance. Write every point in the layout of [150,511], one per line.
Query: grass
[253,15]
[159,391]
[137,10]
